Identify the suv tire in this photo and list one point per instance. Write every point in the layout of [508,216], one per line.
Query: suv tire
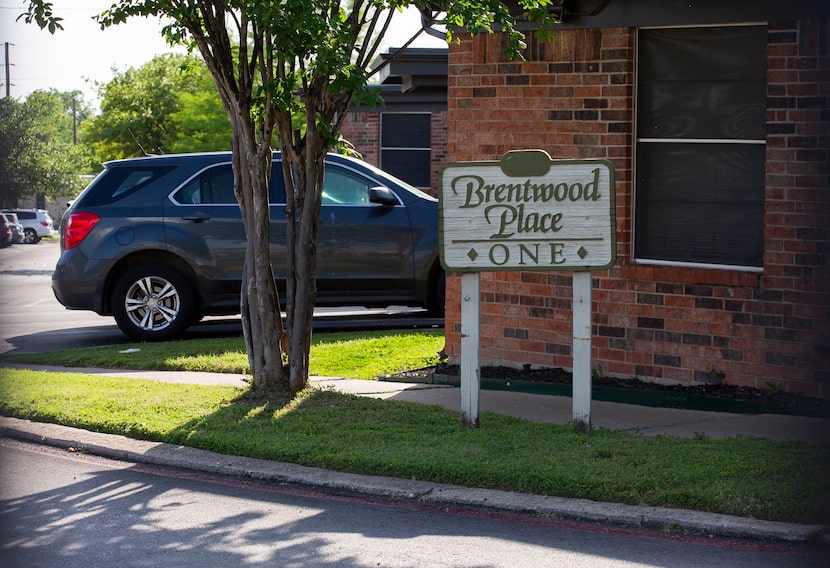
[30,237]
[153,302]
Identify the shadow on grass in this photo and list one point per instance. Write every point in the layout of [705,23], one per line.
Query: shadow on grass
[323,428]
[222,354]
[742,476]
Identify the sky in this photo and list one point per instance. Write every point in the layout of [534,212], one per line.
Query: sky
[81,54]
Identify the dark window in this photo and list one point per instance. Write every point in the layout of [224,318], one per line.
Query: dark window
[214,186]
[26,215]
[211,187]
[405,147]
[115,183]
[701,104]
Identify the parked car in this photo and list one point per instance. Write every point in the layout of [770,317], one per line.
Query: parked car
[37,223]
[15,226]
[158,242]
[5,231]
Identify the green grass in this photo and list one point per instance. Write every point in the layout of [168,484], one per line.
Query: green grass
[363,355]
[742,476]
[322,428]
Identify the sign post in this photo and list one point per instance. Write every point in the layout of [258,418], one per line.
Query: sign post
[582,351]
[470,369]
[527,212]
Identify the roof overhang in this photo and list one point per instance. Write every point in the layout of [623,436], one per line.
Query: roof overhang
[646,13]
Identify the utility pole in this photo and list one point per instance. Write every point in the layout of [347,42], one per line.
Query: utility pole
[74,121]
[8,73]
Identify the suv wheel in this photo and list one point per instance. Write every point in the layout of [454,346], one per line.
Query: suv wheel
[30,237]
[153,303]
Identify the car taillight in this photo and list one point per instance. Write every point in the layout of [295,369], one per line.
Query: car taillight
[78,226]
[44,223]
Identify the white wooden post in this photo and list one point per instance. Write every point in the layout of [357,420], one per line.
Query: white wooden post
[482,230]
[470,365]
[582,351]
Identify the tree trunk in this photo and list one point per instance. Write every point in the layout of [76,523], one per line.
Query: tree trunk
[309,166]
[259,302]
[305,276]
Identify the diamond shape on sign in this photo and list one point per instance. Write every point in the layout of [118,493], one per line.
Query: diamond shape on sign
[582,253]
[472,254]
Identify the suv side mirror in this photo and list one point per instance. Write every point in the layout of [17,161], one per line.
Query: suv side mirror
[383,196]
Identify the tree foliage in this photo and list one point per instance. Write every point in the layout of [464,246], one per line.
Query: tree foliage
[167,105]
[274,61]
[200,122]
[37,150]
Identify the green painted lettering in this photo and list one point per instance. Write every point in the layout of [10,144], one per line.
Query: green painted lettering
[474,195]
[592,188]
[557,254]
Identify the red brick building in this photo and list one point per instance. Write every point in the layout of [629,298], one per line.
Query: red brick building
[716,116]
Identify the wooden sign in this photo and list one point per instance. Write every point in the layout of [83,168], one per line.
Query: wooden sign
[527,212]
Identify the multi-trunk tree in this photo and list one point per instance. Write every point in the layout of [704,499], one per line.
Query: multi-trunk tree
[273,61]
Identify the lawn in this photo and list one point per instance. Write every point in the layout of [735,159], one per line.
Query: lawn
[741,476]
[363,355]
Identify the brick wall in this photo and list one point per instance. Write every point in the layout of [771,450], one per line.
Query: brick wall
[573,97]
[362,129]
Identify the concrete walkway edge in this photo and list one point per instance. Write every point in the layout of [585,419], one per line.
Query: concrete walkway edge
[161,454]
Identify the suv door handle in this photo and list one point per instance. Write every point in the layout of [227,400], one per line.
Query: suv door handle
[196,218]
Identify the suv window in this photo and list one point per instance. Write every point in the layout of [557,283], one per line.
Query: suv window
[214,186]
[211,187]
[115,183]
[341,187]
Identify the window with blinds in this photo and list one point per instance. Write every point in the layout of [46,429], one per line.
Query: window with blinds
[405,147]
[700,145]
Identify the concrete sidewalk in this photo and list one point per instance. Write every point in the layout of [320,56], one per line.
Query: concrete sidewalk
[540,408]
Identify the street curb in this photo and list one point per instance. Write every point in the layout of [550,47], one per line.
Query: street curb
[162,454]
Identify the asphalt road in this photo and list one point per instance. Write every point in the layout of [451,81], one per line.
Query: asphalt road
[32,320]
[86,511]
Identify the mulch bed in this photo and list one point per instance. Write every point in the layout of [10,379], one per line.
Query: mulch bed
[558,375]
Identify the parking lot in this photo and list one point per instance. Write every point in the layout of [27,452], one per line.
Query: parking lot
[32,320]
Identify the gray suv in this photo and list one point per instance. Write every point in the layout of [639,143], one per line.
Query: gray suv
[158,242]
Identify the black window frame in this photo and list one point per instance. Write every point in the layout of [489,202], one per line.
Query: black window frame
[413,150]
[699,160]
